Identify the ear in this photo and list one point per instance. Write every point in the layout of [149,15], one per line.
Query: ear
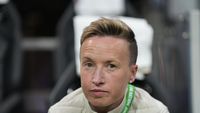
[133,70]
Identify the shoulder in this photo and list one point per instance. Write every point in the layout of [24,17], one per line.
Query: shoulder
[144,102]
[73,102]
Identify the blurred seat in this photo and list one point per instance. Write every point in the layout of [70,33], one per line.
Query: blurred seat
[10,59]
[64,57]
[100,7]
[64,54]
[67,82]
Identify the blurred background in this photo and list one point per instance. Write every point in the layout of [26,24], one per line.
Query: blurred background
[37,58]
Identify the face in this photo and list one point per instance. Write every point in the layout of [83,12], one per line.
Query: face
[105,70]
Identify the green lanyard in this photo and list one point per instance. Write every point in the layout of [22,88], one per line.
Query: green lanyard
[129,98]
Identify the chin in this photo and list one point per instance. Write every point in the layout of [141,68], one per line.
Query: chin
[99,102]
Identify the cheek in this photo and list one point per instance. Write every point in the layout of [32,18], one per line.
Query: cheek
[85,79]
[122,77]
[118,82]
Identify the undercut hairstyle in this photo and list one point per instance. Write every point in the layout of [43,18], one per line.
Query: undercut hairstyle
[112,27]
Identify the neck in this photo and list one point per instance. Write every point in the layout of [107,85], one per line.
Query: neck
[106,109]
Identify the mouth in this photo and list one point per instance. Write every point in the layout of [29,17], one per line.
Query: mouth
[98,92]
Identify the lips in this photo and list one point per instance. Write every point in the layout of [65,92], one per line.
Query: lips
[98,92]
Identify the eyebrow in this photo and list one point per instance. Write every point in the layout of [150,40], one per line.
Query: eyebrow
[111,60]
[87,58]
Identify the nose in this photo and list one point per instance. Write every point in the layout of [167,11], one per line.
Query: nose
[97,77]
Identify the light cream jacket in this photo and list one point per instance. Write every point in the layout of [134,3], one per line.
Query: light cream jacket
[76,102]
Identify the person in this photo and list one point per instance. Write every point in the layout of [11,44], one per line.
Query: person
[108,55]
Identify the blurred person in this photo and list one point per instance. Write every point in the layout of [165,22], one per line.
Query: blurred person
[108,56]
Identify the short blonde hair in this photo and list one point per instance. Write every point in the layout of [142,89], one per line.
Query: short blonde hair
[112,27]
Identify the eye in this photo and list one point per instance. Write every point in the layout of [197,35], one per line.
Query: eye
[112,67]
[88,64]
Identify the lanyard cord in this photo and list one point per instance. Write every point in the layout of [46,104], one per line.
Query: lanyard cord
[129,98]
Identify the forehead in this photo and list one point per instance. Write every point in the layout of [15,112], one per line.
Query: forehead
[108,41]
[105,46]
